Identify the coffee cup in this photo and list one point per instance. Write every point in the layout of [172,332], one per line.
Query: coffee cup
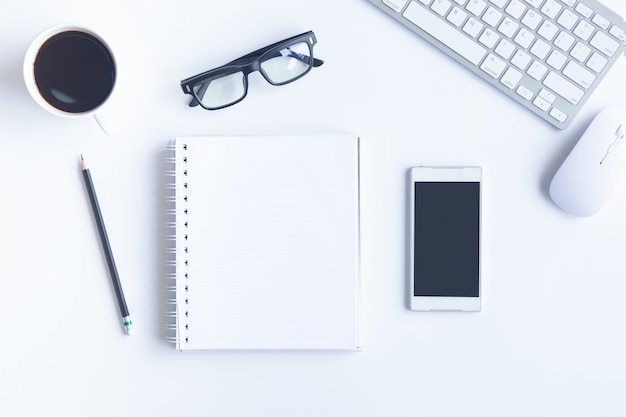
[70,71]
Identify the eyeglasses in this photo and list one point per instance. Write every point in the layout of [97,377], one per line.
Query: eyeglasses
[279,63]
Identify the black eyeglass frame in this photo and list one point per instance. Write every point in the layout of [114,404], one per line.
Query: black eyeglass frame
[247,64]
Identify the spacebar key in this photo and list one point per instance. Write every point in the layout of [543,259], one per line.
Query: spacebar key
[446,34]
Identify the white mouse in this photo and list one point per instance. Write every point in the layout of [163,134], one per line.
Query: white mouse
[591,172]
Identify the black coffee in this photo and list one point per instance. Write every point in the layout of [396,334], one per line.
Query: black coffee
[74,71]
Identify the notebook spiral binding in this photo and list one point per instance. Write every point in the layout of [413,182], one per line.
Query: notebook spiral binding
[176,250]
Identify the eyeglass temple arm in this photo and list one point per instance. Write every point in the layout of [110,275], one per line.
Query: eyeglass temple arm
[256,54]
[317,62]
[288,41]
[200,94]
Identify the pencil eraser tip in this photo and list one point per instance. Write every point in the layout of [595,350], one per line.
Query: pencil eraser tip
[128,326]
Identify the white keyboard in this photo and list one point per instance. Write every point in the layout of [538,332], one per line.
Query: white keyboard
[549,55]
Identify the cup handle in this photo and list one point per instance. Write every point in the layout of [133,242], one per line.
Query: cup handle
[105,122]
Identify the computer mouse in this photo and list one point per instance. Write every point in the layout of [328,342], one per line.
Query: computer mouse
[592,171]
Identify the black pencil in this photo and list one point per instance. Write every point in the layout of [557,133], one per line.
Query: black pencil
[104,239]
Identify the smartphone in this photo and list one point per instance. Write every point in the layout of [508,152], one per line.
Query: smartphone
[445,238]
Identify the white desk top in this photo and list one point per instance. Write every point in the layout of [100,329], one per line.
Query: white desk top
[549,341]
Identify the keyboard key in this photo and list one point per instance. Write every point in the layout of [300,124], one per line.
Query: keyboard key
[548,30]
[580,52]
[564,88]
[618,33]
[511,78]
[396,5]
[449,36]
[505,49]
[558,114]
[441,7]
[524,38]
[473,27]
[542,104]
[532,19]
[457,17]
[516,8]
[547,96]
[601,21]
[584,10]
[584,30]
[564,41]
[567,19]
[556,60]
[492,16]
[597,62]
[521,59]
[551,9]
[489,38]
[493,66]
[579,74]
[605,44]
[540,49]
[537,70]
[525,92]
[508,27]
[476,7]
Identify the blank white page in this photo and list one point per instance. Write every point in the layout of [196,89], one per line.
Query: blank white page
[269,256]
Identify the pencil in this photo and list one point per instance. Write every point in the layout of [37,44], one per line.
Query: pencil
[104,239]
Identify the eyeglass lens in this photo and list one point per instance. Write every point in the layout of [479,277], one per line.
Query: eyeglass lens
[284,66]
[221,91]
[288,64]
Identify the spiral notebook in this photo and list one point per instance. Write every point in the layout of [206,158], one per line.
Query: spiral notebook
[265,243]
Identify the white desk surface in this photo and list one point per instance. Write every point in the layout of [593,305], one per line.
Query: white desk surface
[549,340]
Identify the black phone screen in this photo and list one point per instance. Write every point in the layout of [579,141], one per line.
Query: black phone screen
[447,239]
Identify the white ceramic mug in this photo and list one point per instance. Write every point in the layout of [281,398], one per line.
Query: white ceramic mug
[70,71]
